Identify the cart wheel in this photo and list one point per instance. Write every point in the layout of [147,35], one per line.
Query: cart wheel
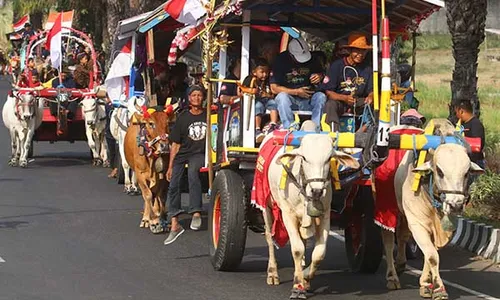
[121,173]
[412,249]
[30,151]
[363,241]
[227,224]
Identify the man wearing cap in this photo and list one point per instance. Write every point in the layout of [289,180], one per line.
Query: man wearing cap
[294,78]
[349,81]
[188,147]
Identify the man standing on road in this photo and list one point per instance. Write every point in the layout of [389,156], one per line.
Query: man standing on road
[294,79]
[188,146]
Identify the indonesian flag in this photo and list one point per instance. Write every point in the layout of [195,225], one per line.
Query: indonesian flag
[115,82]
[54,43]
[186,11]
[19,25]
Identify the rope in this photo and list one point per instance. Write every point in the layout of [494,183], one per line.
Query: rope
[415,153]
[435,203]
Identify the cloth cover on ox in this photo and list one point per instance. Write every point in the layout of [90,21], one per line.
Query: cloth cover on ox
[386,205]
[261,191]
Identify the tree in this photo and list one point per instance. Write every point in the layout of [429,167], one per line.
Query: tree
[35,8]
[466,21]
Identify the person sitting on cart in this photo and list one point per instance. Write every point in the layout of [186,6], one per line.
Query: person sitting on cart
[294,79]
[82,72]
[264,99]
[67,83]
[188,146]
[229,91]
[349,82]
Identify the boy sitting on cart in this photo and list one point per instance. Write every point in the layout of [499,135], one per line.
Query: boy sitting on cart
[258,85]
[294,78]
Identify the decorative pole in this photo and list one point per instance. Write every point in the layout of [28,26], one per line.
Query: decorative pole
[208,61]
[376,100]
[385,101]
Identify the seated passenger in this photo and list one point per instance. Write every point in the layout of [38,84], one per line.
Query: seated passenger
[349,82]
[82,71]
[68,83]
[294,78]
[263,97]
[229,92]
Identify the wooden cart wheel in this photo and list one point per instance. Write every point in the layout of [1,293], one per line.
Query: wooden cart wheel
[363,241]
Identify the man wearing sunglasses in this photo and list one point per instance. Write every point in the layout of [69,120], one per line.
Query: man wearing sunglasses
[349,81]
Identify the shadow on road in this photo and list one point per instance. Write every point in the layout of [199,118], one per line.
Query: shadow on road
[12,224]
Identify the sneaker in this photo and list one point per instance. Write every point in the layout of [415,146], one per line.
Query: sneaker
[259,136]
[173,235]
[195,223]
[272,127]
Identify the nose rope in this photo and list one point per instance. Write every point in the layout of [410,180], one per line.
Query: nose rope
[441,193]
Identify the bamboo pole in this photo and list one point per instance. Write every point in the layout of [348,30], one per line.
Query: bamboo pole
[376,100]
[385,99]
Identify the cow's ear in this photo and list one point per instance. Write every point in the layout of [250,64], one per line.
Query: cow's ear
[289,157]
[424,169]
[346,160]
[475,169]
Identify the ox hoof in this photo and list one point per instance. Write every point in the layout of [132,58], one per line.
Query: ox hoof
[13,163]
[156,228]
[439,294]
[298,294]
[106,164]
[144,224]
[135,191]
[393,284]
[425,292]
[97,162]
[126,190]
[273,279]
[23,164]
[400,269]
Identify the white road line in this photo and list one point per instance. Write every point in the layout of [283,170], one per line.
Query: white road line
[414,272]
[1,260]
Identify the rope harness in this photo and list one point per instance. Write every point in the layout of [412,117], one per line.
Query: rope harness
[305,181]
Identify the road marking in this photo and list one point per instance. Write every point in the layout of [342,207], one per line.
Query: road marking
[414,272]
[1,260]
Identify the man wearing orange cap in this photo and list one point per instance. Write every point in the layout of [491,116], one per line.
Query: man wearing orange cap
[349,81]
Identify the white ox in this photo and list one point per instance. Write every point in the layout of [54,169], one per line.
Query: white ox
[447,169]
[22,114]
[95,117]
[306,211]
[120,119]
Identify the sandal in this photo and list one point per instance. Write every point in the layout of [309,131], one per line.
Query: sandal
[113,173]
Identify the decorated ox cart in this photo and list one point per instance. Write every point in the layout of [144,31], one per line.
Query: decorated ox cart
[56,126]
[231,148]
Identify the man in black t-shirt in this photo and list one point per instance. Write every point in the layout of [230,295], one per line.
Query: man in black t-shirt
[294,78]
[472,128]
[188,146]
[349,82]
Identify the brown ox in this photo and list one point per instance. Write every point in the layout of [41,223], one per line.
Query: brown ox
[146,147]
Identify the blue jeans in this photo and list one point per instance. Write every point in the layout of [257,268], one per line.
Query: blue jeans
[262,104]
[288,103]
[195,162]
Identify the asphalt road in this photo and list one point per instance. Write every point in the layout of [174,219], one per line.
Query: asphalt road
[67,232]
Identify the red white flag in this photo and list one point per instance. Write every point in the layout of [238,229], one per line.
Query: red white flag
[54,43]
[19,25]
[186,11]
[115,82]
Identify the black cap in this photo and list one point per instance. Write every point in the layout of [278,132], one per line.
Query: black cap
[27,25]
[194,88]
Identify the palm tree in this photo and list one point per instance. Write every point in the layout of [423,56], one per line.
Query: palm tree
[466,21]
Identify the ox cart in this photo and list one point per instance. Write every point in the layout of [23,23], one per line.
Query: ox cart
[57,127]
[232,151]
